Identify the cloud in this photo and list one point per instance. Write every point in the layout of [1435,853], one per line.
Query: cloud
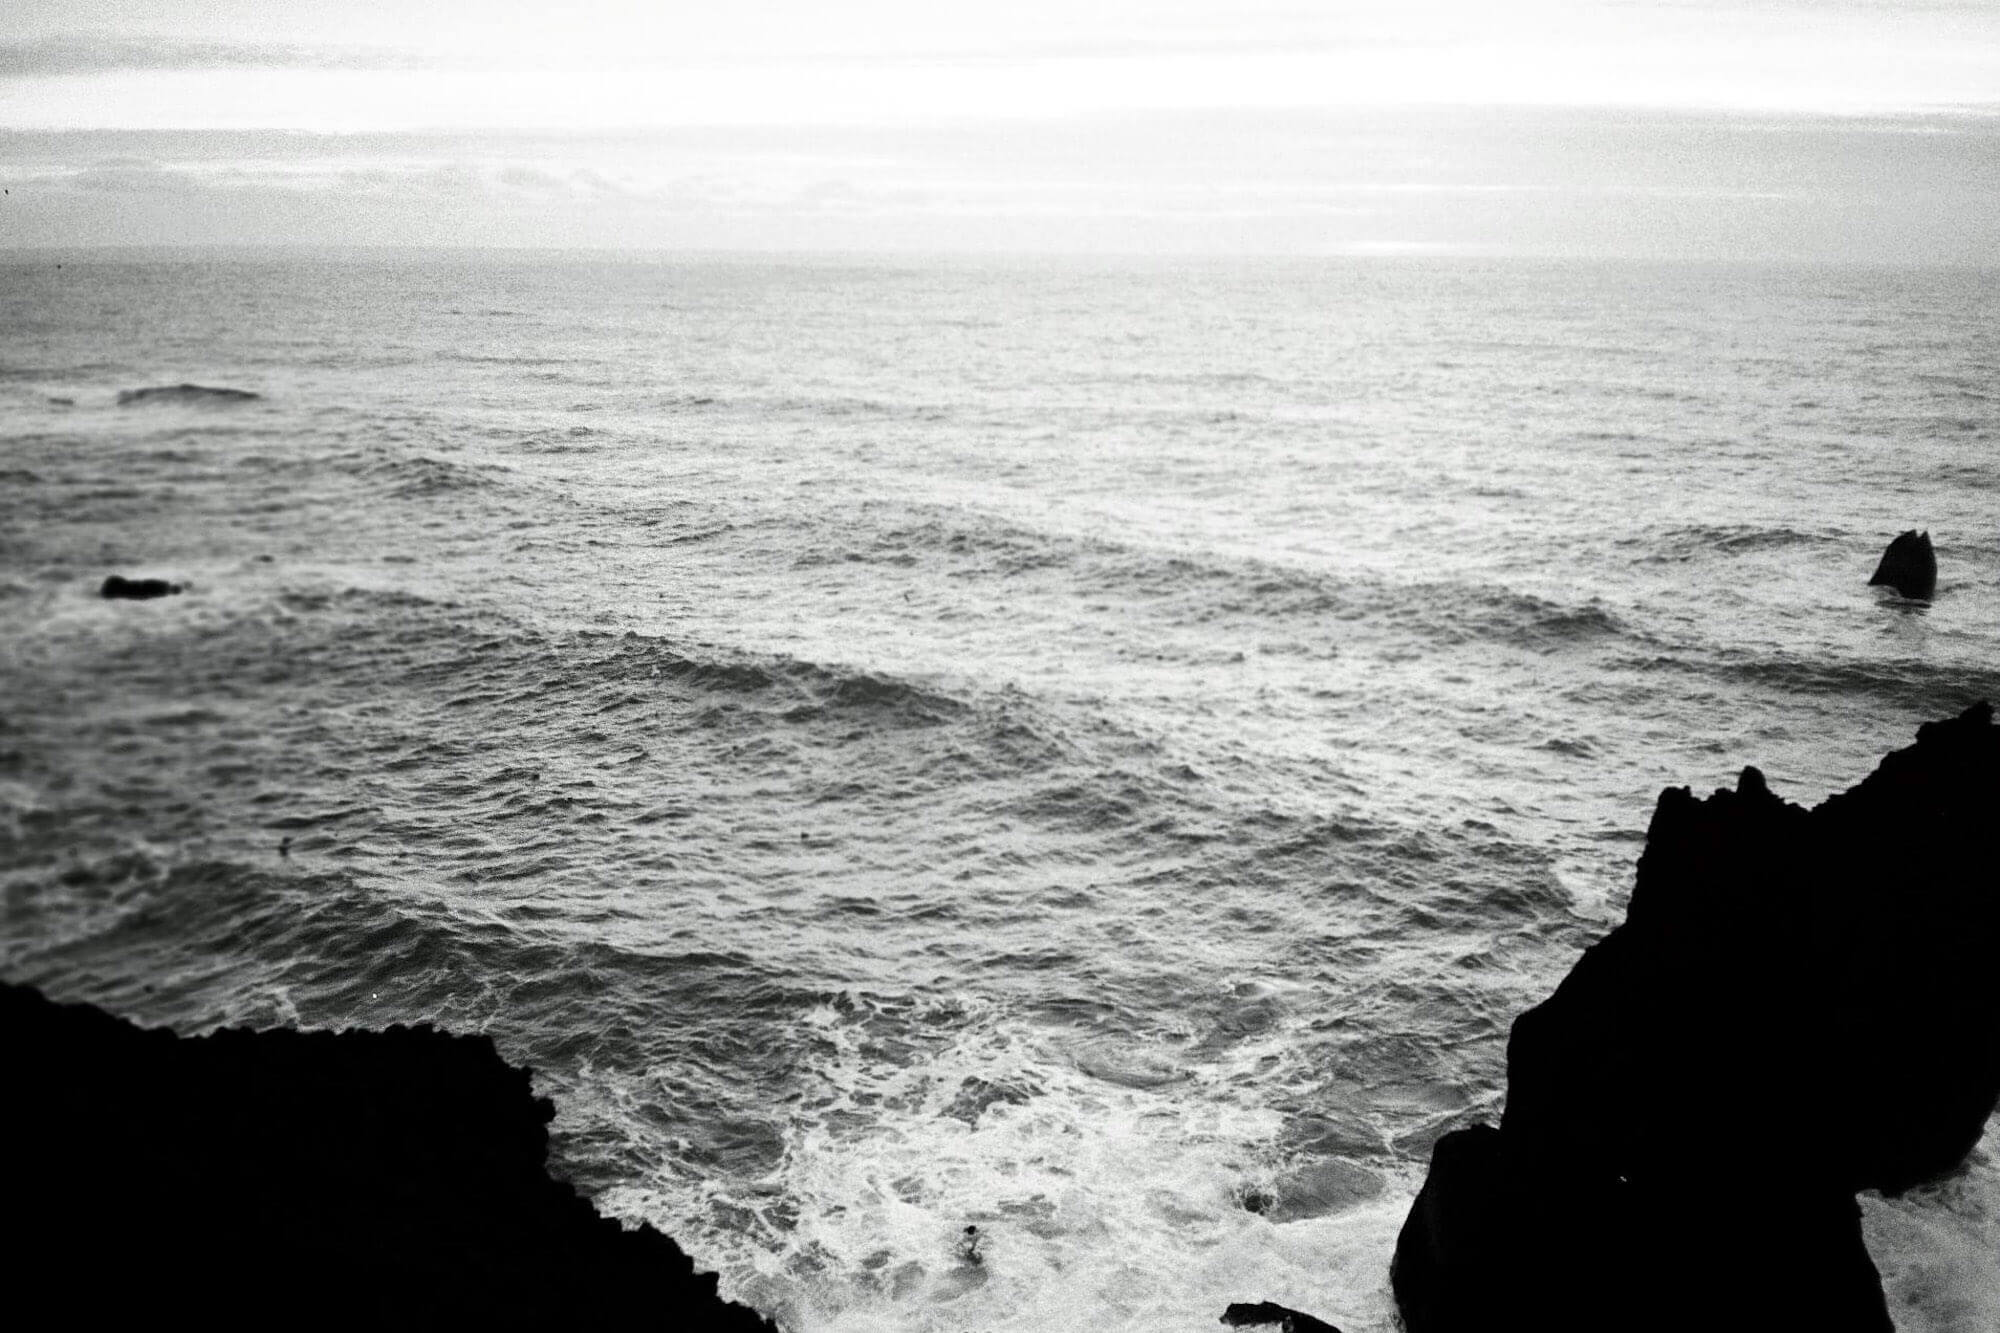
[449,179]
[1527,182]
[130,175]
[44,57]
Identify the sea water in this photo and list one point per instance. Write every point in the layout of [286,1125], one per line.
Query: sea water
[1098,751]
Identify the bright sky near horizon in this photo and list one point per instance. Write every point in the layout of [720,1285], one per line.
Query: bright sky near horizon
[1726,128]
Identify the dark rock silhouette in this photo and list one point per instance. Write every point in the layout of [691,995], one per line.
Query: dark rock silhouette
[136,590]
[1909,566]
[284,1179]
[1264,1314]
[183,393]
[1797,1007]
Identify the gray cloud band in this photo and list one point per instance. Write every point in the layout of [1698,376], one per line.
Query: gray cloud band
[48,57]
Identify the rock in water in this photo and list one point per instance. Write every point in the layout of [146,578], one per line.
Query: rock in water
[1264,1314]
[118,587]
[183,393]
[282,1179]
[1909,566]
[1798,1006]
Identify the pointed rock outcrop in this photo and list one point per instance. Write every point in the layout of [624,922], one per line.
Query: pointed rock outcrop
[1797,1007]
[1909,566]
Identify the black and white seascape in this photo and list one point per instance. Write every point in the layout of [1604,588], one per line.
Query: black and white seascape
[996,786]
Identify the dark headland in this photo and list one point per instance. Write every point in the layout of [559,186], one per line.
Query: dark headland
[285,1179]
[1799,1006]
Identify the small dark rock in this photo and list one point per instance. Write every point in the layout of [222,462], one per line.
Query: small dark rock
[137,590]
[183,393]
[1264,1314]
[1257,1199]
[1909,566]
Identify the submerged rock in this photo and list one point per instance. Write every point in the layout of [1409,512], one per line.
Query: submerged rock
[1316,1189]
[1909,566]
[183,393]
[136,590]
[364,1179]
[1797,1007]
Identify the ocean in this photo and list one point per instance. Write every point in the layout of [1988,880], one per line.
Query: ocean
[1097,751]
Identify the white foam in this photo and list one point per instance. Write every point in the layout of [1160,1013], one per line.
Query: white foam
[1101,1201]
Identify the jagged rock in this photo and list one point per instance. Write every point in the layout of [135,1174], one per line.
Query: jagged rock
[136,590]
[183,393]
[1909,566]
[358,1179]
[1797,1007]
[1264,1314]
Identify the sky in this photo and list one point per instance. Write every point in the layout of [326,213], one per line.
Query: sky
[1731,129]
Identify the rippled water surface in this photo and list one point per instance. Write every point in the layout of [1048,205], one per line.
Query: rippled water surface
[1095,752]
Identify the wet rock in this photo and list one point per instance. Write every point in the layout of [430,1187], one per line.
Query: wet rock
[1909,566]
[1265,1314]
[183,393]
[354,1179]
[1796,1008]
[118,587]
[1258,1199]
